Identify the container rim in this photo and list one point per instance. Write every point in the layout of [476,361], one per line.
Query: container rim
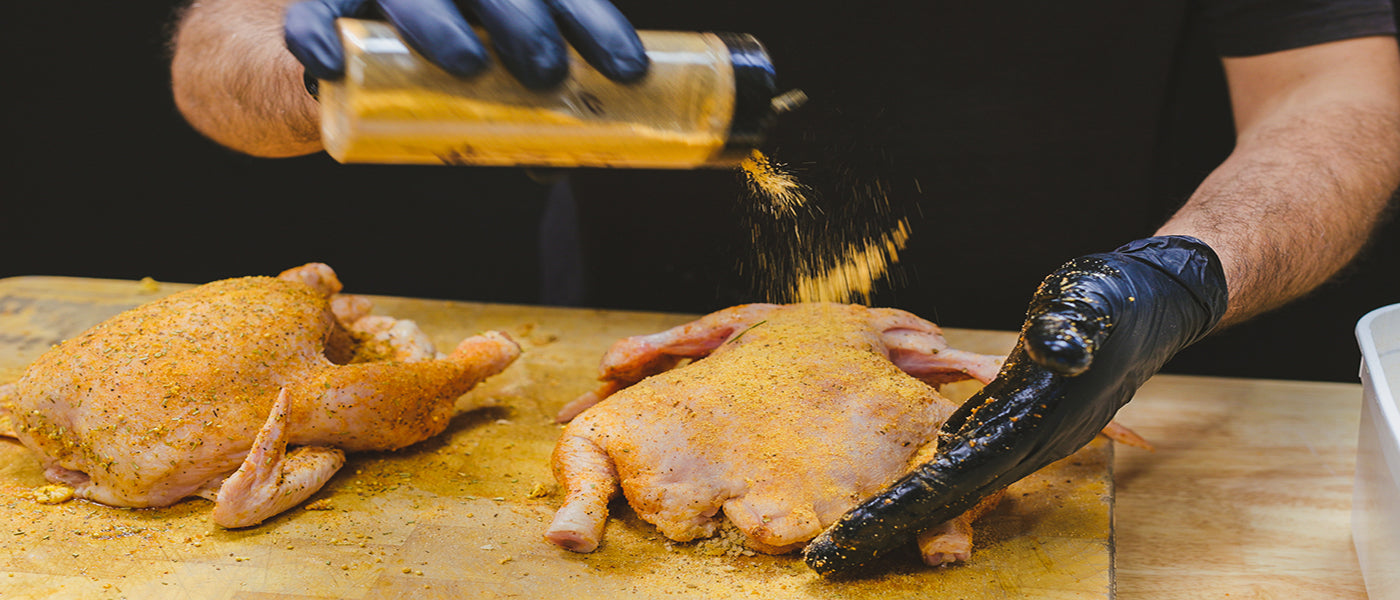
[1371,359]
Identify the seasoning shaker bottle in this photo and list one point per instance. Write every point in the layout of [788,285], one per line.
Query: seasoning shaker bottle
[707,100]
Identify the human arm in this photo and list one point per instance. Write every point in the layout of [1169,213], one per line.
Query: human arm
[238,66]
[1317,158]
[234,81]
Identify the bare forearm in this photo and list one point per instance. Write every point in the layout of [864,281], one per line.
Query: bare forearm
[235,82]
[1285,218]
[1305,187]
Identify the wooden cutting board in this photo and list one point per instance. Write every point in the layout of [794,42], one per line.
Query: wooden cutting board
[462,515]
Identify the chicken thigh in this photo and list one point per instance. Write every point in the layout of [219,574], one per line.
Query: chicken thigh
[788,417]
[202,392]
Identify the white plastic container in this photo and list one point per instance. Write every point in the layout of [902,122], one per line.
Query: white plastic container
[1375,511]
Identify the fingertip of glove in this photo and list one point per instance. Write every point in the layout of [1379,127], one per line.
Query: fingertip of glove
[541,75]
[829,557]
[309,34]
[538,68]
[464,61]
[625,68]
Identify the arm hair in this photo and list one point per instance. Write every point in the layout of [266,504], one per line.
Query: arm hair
[235,82]
[1316,161]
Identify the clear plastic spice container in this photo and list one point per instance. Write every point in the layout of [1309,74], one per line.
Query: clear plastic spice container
[706,101]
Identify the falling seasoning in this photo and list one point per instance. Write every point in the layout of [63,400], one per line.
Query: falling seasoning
[775,187]
[850,273]
[804,254]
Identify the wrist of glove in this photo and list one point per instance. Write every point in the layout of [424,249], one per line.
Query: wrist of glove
[1096,329]
[528,36]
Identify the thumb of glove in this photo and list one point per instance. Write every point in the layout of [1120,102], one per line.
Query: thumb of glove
[1072,315]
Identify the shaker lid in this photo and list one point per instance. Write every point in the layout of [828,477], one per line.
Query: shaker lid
[755,85]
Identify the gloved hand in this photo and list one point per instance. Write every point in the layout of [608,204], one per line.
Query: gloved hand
[1096,330]
[523,32]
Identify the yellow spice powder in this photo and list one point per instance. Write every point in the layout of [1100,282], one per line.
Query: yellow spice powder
[816,262]
[849,273]
[777,189]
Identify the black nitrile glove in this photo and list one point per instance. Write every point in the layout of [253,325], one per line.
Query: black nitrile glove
[525,33]
[1096,330]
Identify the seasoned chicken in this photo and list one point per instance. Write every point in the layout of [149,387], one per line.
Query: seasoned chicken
[202,393]
[787,417]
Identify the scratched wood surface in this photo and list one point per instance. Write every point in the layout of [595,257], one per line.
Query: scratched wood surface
[462,515]
[1248,494]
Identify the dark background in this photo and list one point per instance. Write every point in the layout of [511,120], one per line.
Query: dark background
[107,180]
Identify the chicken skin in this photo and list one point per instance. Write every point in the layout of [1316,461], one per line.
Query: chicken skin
[202,393]
[787,417]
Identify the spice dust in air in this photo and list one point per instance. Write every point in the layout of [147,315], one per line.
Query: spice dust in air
[802,256]
[775,187]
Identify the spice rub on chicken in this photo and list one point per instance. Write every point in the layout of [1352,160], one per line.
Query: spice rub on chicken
[202,393]
[789,416]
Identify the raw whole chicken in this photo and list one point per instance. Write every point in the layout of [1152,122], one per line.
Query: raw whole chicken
[786,417]
[202,392]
